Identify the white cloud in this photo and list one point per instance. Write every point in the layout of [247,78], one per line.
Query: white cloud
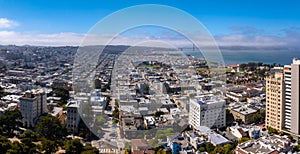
[287,40]
[6,23]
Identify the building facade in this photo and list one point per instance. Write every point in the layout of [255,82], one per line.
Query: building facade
[275,101]
[73,116]
[243,113]
[207,110]
[292,95]
[32,105]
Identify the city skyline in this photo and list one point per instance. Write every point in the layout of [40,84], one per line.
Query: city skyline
[249,24]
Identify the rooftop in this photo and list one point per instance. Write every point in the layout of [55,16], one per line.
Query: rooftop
[265,145]
[244,110]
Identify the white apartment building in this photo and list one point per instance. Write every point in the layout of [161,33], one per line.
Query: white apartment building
[73,116]
[292,96]
[207,110]
[32,105]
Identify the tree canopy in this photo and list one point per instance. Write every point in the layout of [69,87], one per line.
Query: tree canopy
[11,121]
[51,128]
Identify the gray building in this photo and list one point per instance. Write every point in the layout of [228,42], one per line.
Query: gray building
[73,116]
[32,105]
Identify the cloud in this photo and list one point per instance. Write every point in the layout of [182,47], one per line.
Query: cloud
[6,23]
[246,30]
[289,39]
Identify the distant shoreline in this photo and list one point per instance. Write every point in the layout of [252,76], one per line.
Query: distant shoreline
[282,57]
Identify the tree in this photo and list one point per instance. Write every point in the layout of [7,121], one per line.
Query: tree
[61,92]
[4,144]
[202,149]
[158,113]
[29,146]
[73,146]
[30,134]
[17,148]
[49,146]
[227,148]
[229,118]
[209,147]
[51,128]
[11,121]
[218,149]
[244,139]
[272,130]
[90,150]
[239,121]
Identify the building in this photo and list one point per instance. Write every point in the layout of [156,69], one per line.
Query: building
[237,97]
[178,144]
[207,110]
[244,113]
[73,116]
[213,137]
[141,146]
[255,132]
[32,105]
[275,101]
[271,144]
[292,97]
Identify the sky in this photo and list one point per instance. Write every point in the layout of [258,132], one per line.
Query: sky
[267,24]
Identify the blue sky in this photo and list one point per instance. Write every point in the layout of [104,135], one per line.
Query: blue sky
[276,20]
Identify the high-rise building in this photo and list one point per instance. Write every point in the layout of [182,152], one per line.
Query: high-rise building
[292,96]
[73,116]
[275,101]
[207,110]
[32,105]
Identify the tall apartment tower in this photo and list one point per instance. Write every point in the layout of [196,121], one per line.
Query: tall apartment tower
[207,110]
[32,105]
[275,101]
[73,116]
[292,96]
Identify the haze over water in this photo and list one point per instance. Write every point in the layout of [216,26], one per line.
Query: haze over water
[282,57]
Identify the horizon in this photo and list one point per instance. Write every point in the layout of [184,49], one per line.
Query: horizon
[233,25]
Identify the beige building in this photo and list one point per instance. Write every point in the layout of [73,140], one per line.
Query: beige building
[275,101]
[244,113]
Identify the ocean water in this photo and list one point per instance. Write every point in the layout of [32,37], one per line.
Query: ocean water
[244,56]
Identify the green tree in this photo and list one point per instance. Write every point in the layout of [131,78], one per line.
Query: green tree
[90,150]
[229,118]
[272,130]
[51,128]
[17,148]
[218,149]
[61,92]
[4,144]
[227,148]
[11,121]
[239,121]
[244,139]
[209,147]
[30,134]
[202,149]
[73,146]
[49,146]
[29,146]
